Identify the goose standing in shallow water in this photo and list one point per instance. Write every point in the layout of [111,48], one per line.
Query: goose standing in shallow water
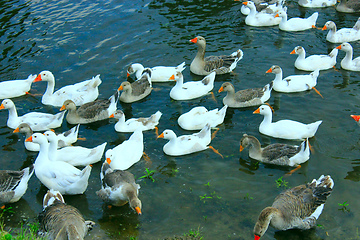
[118,188]
[286,129]
[314,62]
[79,93]
[348,62]
[13,184]
[97,110]
[61,221]
[16,88]
[158,74]
[247,97]
[298,207]
[37,121]
[222,64]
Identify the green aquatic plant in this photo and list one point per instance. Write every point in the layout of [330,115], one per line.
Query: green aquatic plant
[247,197]
[148,174]
[344,206]
[281,183]
[204,197]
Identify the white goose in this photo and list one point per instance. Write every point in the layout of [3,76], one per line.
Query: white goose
[277,153]
[198,117]
[61,221]
[348,62]
[298,207]
[296,23]
[16,88]
[293,83]
[64,139]
[158,74]
[80,93]
[259,19]
[126,154]
[119,187]
[13,184]
[317,3]
[265,6]
[132,124]
[343,34]
[74,155]
[36,120]
[186,144]
[314,62]
[192,89]
[286,129]
[58,175]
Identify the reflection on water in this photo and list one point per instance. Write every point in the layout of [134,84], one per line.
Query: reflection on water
[223,197]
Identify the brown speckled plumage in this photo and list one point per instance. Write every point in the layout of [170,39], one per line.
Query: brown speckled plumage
[137,90]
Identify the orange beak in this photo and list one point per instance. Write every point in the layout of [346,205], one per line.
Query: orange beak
[245,3]
[324,28]
[111,116]
[29,139]
[120,88]
[38,78]
[293,52]
[62,108]
[16,130]
[355,117]
[241,148]
[172,77]
[108,160]
[277,15]
[138,210]
[257,111]
[221,89]
[194,40]
[2,106]
[127,75]
[269,71]
[257,237]
[161,135]
[338,47]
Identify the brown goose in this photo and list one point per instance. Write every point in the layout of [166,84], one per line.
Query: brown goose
[61,221]
[137,90]
[97,110]
[278,153]
[119,187]
[221,64]
[13,184]
[247,97]
[298,207]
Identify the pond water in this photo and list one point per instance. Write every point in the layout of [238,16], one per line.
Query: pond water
[80,39]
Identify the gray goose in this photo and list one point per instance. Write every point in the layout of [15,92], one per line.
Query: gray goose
[277,153]
[137,90]
[61,221]
[247,97]
[298,207]
[348,6]
[13,184]
[97,110]
[119,187]
[220,64]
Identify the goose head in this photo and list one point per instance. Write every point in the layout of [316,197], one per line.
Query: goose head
[167,134]
[263,110]
[68,105]
[50,136]
[227,87]
[345,47]
[45,76]
[24,128]
[135,67]
[199,41]
[118,114]
[7,104]
[329,25]
[274,69]
[298,50]
[246,141]
[135,204]
[37,138]
[125,86]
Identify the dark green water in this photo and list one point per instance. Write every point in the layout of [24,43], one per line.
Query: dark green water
[80,39]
